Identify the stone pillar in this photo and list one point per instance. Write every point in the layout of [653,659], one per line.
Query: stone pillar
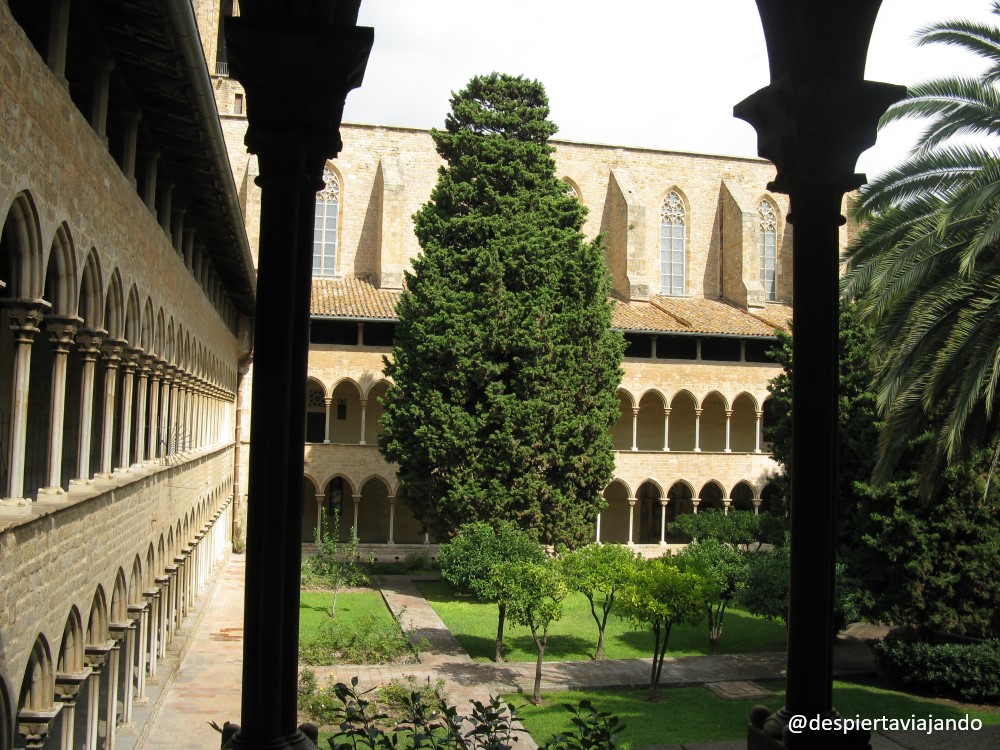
[62,331]
[152,597]
[756,506]
[631,519]
[166,207]
[392,517]
[328,401]
[697,430]
[364,411]
[759,431]
[96,658]
[140,408]
[726,502]
[128,669]
[99,101]
[354,524]
[177,231]
[112,351]
[597,531]
[153,428]
[130,360]
[320,502]
[131,145]
[140,616]
[170,620]
[55,56]
[666,430]
[663,521]
[118,631]
[24,317]
[297,63]
[88,343]
[189,249]
[149,193]
[162,616]
[166,424]
[67,690]
[635,428]
[729,420]
[813,120]
[695,502]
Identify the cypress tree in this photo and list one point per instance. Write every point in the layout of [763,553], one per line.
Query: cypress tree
[504,367]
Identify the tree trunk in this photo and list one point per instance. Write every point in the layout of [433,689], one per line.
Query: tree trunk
[599,654]
[536,696]
[498,656]
[653,676]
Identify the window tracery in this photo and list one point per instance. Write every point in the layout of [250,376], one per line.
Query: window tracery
[325,226]
[768,249]
[673,248]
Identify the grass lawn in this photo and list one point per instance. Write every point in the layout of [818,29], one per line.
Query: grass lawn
[694,714]
[352,607]
[574,637]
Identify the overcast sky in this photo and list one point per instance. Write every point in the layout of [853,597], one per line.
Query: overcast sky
[655,73]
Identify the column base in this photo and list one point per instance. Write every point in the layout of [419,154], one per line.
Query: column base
[305,737]
[80,483]
[15,506]
[52,491]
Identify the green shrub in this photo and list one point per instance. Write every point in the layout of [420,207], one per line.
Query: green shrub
[964,671]
[369,640]
[416,561]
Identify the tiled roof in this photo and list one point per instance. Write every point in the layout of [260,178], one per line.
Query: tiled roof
[353,298]
[359,298]
[698,315]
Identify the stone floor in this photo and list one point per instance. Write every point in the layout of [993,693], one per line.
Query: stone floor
[206,686]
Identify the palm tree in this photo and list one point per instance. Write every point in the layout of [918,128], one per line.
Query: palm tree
[926,266]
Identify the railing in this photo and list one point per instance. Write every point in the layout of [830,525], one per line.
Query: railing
[222,68]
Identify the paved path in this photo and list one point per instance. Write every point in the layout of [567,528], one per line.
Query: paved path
[207,684]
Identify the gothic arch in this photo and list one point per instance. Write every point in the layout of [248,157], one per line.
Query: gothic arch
[60,274]
[373,510]
[119,599]
[91,294]
[682,421]
[38,685]
[72,648]
[742,496]
[114,307]
[743,427]
[712,423]
[97,620]
[711,495]
[132,318]
[21,239]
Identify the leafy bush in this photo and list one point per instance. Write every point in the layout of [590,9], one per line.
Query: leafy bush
[964,671]
[737,527]
[390,718]
[370,640]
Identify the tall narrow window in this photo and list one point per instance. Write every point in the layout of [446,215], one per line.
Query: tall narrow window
[672,245]
[325,226]
[768,249]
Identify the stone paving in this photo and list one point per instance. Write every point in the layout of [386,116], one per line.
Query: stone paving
[206,685]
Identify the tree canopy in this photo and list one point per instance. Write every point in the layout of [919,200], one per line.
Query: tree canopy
[505,366]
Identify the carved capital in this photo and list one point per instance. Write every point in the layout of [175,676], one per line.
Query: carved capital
[25,318]
[112,350]
[88,342]
[62,331]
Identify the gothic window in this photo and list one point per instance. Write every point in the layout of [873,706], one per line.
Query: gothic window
[672,245]
[768,249]
[325,226]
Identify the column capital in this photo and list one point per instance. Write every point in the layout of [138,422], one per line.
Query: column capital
[88,342]
[130,357]
[62,330]
[24,316]
[112,349]
[68,685]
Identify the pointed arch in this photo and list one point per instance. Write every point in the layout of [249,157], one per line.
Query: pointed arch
[91,292]
[38,685]
[114,307]
[98,620]
[132,318]
[72,648]
[60,274]
[327,224]
[119,599]
[673,244]
[682,421]
[21,249]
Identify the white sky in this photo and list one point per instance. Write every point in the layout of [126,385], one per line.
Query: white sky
[655,73]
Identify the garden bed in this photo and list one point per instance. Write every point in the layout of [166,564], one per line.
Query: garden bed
[363,632]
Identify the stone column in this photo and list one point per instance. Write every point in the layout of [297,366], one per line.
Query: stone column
[162,621]
[597,531]
[297,62]
[663,520]
[635,428]
[140,407]
[357,504]
[140,616]
[631,519]
[149,193]
[130,360]
[726,502]
[112,351]
[177,231]
[99,101]
[759,429]
[695,502]
[152,597]
[129,668]
[55,56]
[153,428]
[697,430]
[118,631]
[320,503]
[96,658]
[666,430]
[131,145]
[392,517]
[165,436]
[170,620]
[67,690]
[364,412]
[62,331]
[88,343]
[756,506]
[24,317]
[177,440]
[328,401]
[729,420]
[166,207]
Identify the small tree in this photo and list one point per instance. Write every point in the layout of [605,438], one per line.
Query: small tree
[766,591]
[723,570]
[468,559]
[598,571]
[737,527]
[533,593]
[335,563]
[661,595]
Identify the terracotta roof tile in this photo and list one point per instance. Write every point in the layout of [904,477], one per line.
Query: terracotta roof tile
[359,298]
[353,298]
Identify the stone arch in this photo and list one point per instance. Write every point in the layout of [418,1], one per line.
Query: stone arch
[621,432]
[771,500]
[72,649]
[149,570]
[161,552]
[119,599]
[315,410]
[91,294]
[6,719]
[135,582]
[373,510]
[742,496]
[159,334]
[406,528]
[171,549]
[614,518]
[21,249]
[345,412]
[573,187]
[60,274]
[682,415]
[338,497]
[713,422]
[681,496]
[169,353]
[743,425]
[114,307]
[38,685]
[373,410]
[650,424]
[132,318]
[648,512]
[710,496]
[98,621]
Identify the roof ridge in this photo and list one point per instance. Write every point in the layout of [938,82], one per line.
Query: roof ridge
[665,311]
